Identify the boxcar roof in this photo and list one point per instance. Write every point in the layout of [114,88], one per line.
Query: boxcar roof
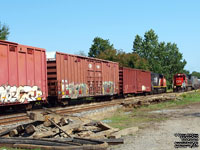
[8,42]
[135,69]
[84,57]
[13,43]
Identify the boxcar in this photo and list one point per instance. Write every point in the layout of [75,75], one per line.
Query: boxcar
[23,77]
[134,81]
[72,77]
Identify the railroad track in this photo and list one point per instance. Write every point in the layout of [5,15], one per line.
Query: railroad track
[12,119]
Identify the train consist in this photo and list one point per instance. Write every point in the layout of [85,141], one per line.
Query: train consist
[182,82]
[27,77]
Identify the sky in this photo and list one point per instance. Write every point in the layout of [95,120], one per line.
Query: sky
[71,25]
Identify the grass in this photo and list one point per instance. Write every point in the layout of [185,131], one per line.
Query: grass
[125,118]
[122,119]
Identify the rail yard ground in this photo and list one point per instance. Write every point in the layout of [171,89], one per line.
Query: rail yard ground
[152,123]
[158,123]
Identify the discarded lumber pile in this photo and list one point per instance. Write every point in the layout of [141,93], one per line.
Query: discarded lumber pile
[50,129]
[53,144]
[147,100]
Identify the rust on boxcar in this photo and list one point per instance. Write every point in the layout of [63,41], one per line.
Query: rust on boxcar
[72,76]
[23,77]
[134,81]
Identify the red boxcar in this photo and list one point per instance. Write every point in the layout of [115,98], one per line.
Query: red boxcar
[72,76]
[23,77]
[133,81]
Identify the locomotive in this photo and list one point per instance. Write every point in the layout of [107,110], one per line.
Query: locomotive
[183,82]
[158,83]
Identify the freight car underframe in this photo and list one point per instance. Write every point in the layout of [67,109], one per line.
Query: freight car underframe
[54,101]
[17,106]
[182,88]
[158,89]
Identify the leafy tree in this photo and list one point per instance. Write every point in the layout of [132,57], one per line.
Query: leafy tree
[104,50]
[147,48]
[81,53]
[162,58]
[99,45]
[187,72]
[197,74]
[4,32]
[131,60]
[109,54]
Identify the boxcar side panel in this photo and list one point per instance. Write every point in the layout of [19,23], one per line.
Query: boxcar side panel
[129,80]
[110,78]
[30,68]
[143,81]
[13,70]
[22,68]
[134,81]
[3,64]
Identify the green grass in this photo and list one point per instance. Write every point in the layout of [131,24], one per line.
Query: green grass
[136,117]
[169,90]
[122,120]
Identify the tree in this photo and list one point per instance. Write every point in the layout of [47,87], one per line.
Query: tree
[187,72]
[147,48]
[81,53]
[4,32]
[161,57]
[99,45]
[197,74]
[131,60]
[102,49]
[135,61]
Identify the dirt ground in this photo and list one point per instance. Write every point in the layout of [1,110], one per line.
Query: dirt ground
[160,135]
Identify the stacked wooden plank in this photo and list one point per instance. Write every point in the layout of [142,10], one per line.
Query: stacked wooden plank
[49,129]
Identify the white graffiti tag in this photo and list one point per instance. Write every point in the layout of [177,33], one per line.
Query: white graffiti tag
[9,94]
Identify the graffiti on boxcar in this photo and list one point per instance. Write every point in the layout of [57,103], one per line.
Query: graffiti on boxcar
[22,94]
[108,87]
[73,90]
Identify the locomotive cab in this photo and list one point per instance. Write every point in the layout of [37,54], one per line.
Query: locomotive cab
[158,83]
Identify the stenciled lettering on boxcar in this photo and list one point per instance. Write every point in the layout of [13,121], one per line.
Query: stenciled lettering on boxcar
[73,90]
[108,88]
[21,94]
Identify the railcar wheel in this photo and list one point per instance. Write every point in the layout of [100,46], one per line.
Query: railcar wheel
[125,96]
[28,107]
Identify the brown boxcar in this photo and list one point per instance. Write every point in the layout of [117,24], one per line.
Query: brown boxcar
[72,76]
[23,77]
[133,81]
